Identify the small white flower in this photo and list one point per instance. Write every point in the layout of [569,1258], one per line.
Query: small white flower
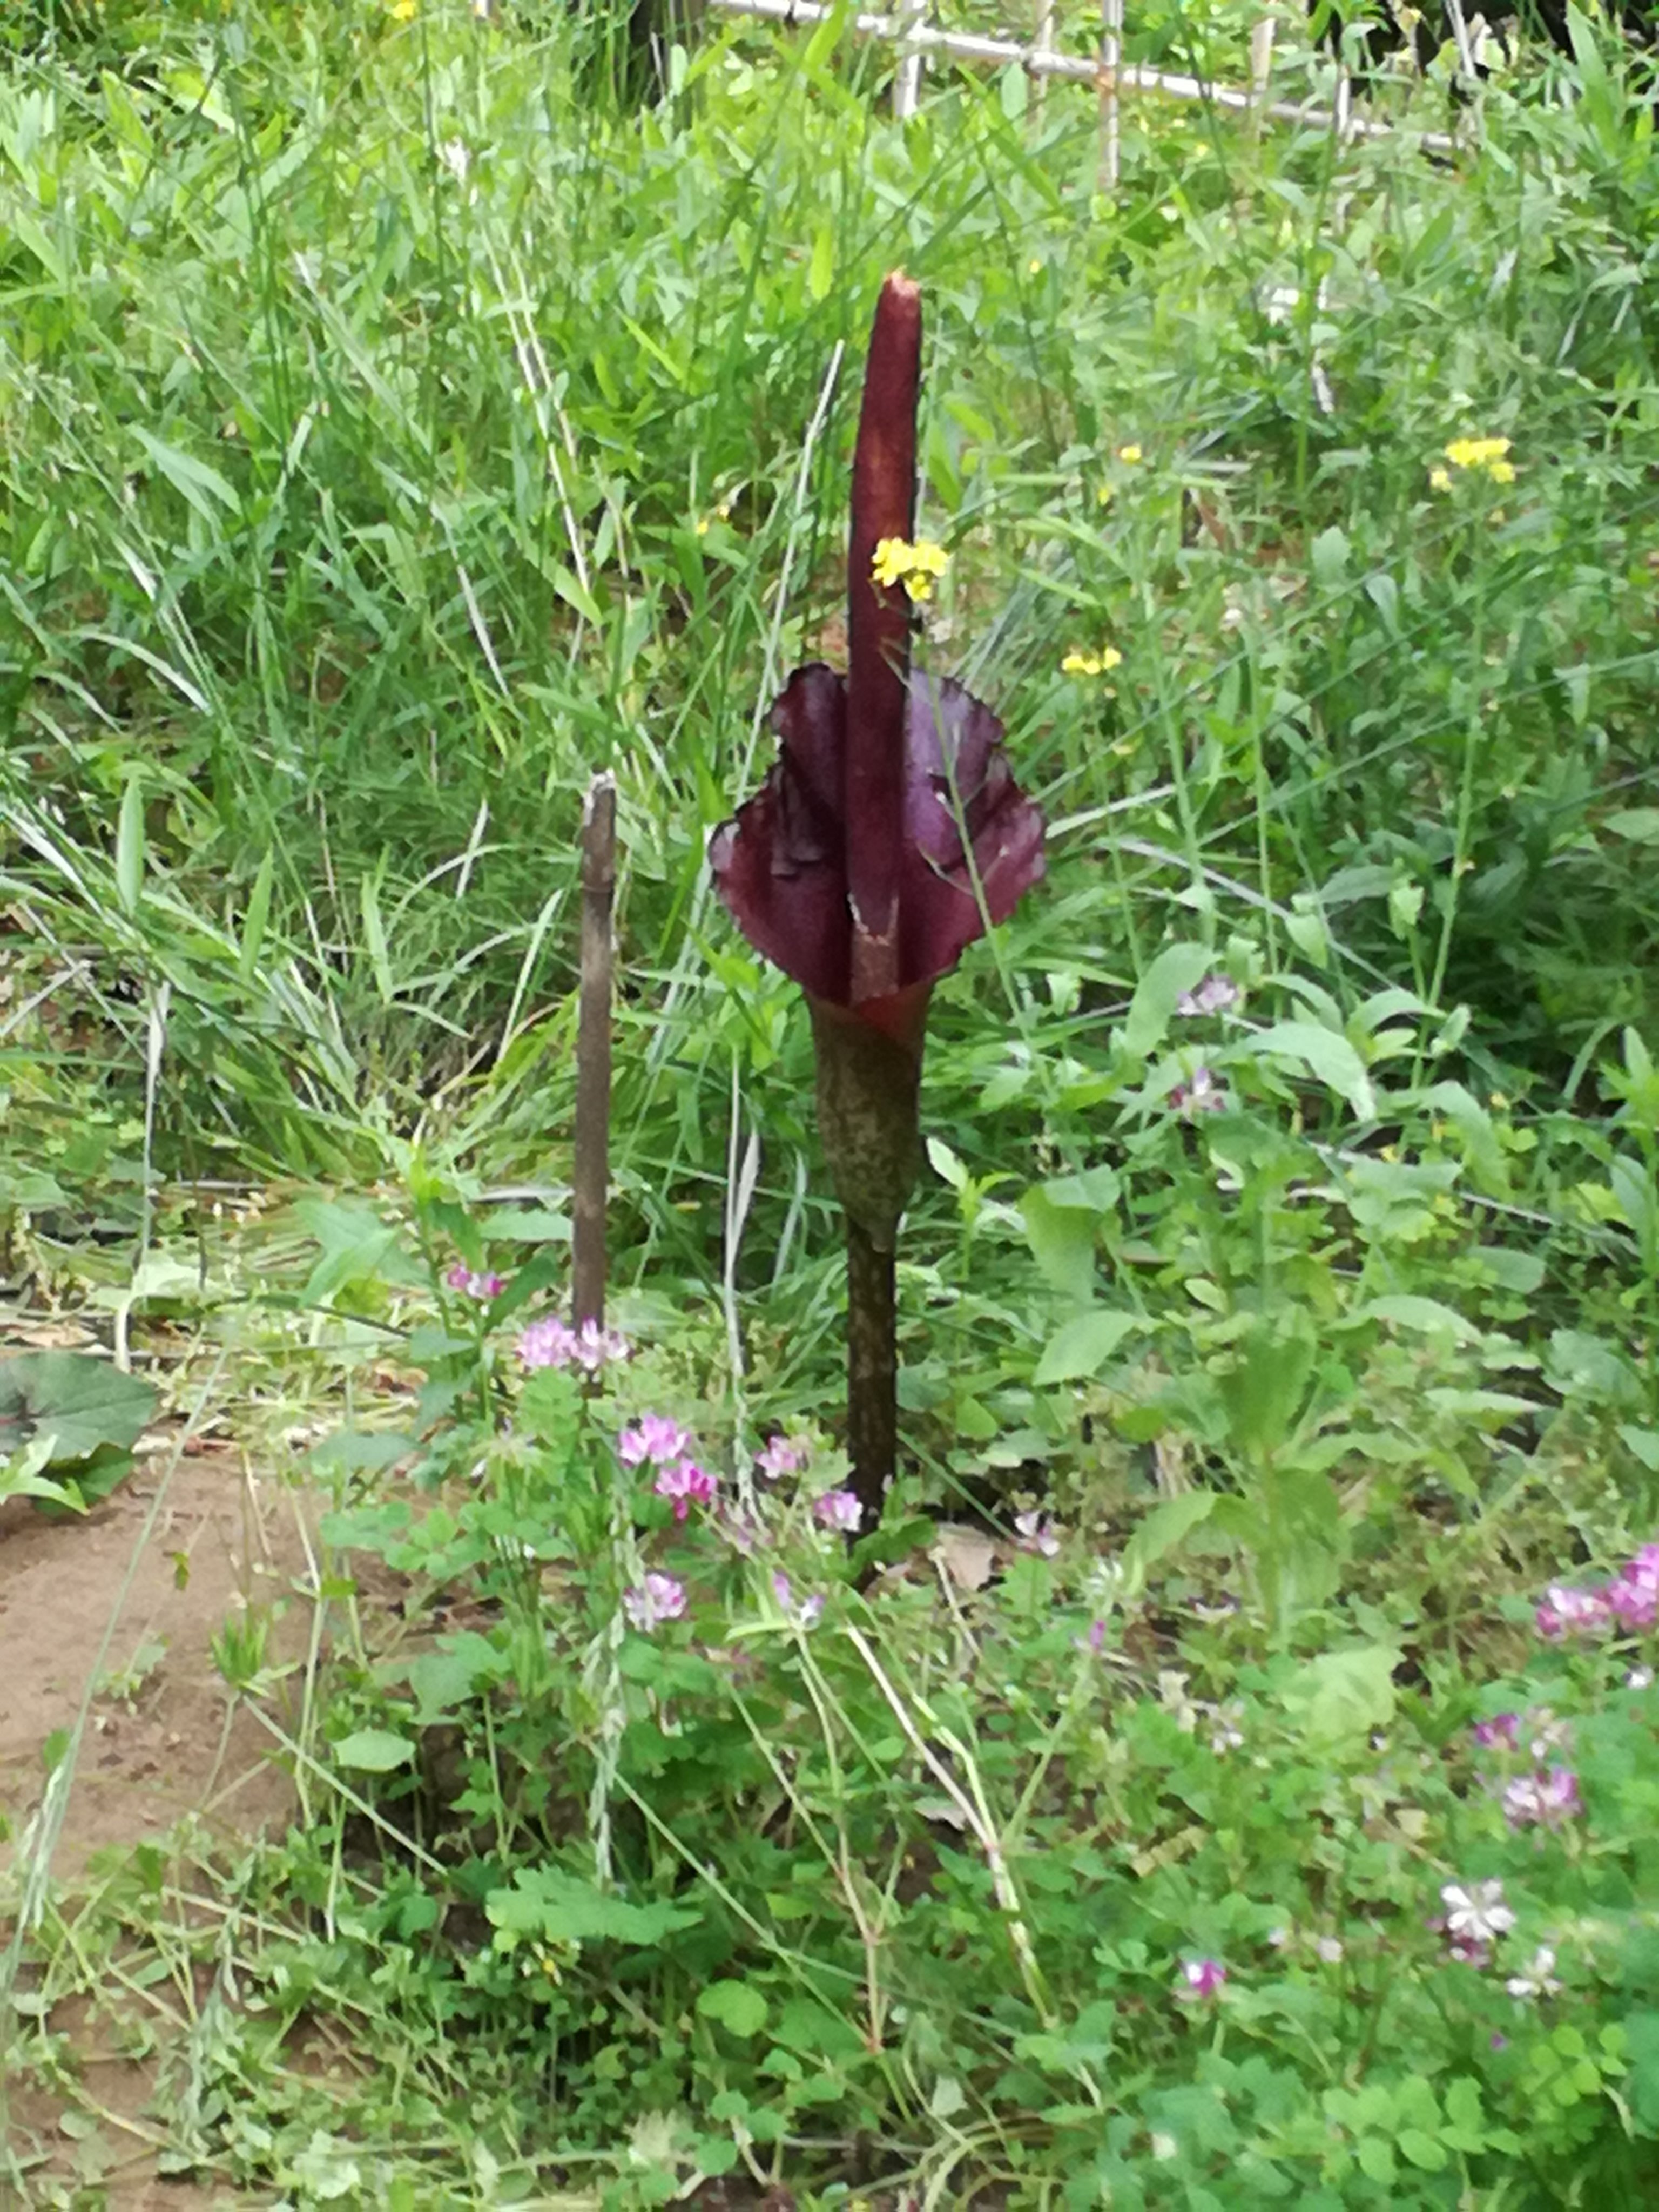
[1539,1980]
[1164,2147]
[1477,1913]
[1329,1948]
[1640,1678]
[453,155]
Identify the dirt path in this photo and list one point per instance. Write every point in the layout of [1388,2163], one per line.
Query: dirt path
[180,1549]
[155,1745]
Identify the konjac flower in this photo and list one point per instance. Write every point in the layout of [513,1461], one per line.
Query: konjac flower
[659,1598]
[888,835]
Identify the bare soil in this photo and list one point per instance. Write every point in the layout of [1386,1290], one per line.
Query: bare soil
[125,1604]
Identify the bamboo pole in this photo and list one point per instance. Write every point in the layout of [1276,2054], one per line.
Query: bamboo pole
[1111,64]
[1078,68]
[907,83]
[590,1176]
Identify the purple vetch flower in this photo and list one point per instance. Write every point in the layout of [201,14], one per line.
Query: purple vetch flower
[1633,1593]
[1036,1533]
[653,1439]
[802,1616]
[1213,996]
[839,1510]
[1202,1095]
[1201,1978]
[1475,1912]
[472,1283]
[781,1457]
[1567,1610]
[659,1598]
[552,1342]
[1504,1729]
[688,1485]
[1542,1800]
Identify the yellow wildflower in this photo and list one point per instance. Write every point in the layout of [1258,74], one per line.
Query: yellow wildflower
[1440,479]
[1487,453]
[1130,455]
[401,12]
[1091,664]
[916,567]
[1034,266]
[1103,496]
[1501,472]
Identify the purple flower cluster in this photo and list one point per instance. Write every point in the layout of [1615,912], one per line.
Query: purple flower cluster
[803,1614]
[654,1439]
[839,1510]
[1200,1979]
[1629,1602]
[781,1456]
[1203,1095]
[472,1283]
[657,1599]
[550,1342]
[1213,996]
[688,1485]
[1545,1794]
[1544,1799]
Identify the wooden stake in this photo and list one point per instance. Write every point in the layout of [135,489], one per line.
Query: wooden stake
[1111,63]
[592,1173]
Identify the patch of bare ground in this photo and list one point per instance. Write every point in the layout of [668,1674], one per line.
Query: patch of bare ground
[126,1603]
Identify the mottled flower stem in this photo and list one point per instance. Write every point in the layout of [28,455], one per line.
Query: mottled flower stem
[591,1174]
[869,1120]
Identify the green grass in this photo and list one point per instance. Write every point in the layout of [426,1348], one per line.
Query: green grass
[395,428]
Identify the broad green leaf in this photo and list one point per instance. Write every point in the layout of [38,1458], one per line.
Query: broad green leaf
[1062,1239]
[1164,1529]
[1340,1697]
[1330,1059]
[374,1750]
[1082,1346]
[1406,1310]
[546,1901]
[79,1402]
[737,2006]
[1262,1390]
[1639,824]
[1176,969]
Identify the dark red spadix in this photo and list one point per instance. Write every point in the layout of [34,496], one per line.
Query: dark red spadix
[887,832]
